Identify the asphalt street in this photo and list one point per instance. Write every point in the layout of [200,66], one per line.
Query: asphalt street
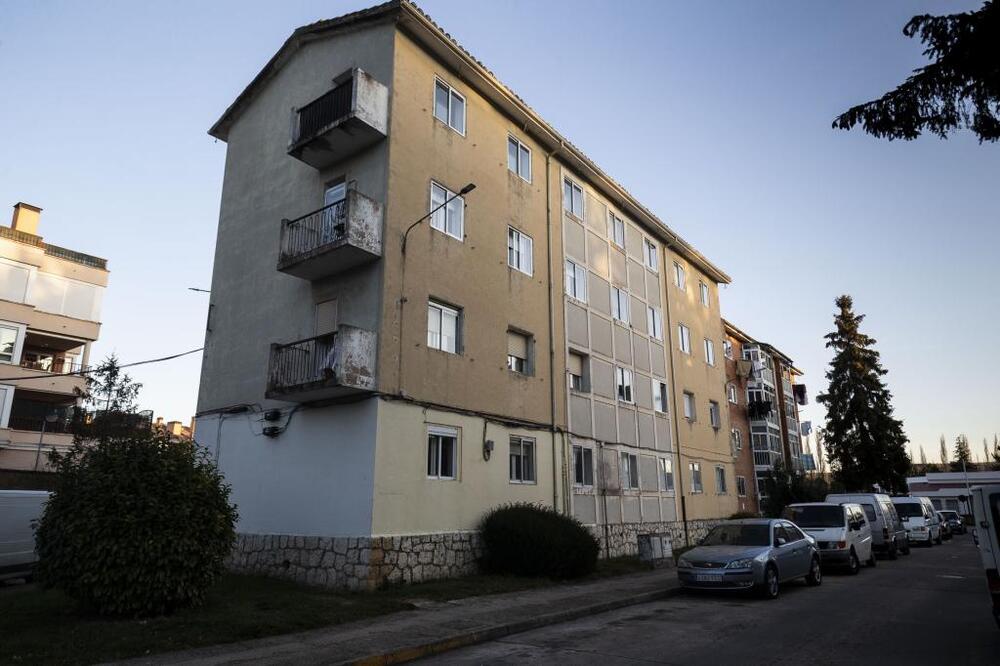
[930,607]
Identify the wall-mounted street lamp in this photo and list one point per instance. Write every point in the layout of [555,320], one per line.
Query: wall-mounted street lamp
[51,417]
[462,192]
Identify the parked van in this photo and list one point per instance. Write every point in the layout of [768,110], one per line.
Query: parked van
[986,516]
[842,533]
[18,508]
[920,519]
[888,533]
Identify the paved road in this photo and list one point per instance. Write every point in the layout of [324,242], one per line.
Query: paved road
[928,608]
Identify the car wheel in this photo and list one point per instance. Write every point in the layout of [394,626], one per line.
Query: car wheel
[815,576]
[769,588]
[871,560]
[893,551]
[853,565]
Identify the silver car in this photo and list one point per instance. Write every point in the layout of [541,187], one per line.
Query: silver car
[755,554]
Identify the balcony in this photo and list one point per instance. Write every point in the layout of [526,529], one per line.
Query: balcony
[342,122]
[327,366]
[333,239]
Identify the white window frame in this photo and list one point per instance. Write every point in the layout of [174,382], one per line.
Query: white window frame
[690,407]
[19,333]
[452,94]
[624,385]
[581,456]
[6,400]
[443,213]
[651,255]
[720,475]
[732,393]
[584,373]
[521,366]
[576,287]
[629,463]
[522,442]
[513,141]
[737,437]
[620,305]
[680,277]
[654,321]
[697,483]
[616,230]
[569,206]
[665,469]
[440,432]
[727,349]
[741,486]
[714,414]
[684,338]
[710,352]
[660,396]
[443,309]
[520,251]
[705,294]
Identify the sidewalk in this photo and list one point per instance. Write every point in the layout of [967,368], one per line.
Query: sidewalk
[435,627]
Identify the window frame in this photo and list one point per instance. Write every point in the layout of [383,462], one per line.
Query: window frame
[443,308]
[454,196]
[627,464]
[727,349]
[614,223]
[624,385]
[684,338]
[737,436]
[18,348]
[620,299]
[720,474]
[519,147]
[452,93]
[654,322]
[709,346]
[521,442]
[517,237]
[650,255]
[694,468]
[526,363]
[585,373]
[714,414]
[578,269]
[680,277]
[660,395]
[442,432]
[665,475]
[704,294]
[741,486]
[690,407]
[732,394]
[574,186]
[583,466]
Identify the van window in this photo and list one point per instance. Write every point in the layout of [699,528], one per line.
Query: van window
[911,510]
[870,512]
[815,516]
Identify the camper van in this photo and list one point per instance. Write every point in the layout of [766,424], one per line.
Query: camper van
[986,513]
[18,509]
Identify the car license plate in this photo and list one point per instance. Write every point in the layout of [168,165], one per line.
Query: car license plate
[708,578]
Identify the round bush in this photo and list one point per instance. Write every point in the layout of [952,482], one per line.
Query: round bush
[530,540]
[136,526]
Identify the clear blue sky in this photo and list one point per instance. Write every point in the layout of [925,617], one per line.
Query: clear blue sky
[716,115]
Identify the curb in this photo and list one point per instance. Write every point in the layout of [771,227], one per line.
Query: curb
[411,653]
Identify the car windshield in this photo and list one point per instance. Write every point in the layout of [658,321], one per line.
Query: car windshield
[909,510]
[816,516]
[738,535]
[950,515]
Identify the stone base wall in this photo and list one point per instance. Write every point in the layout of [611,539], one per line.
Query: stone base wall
[622,540]
[357,563]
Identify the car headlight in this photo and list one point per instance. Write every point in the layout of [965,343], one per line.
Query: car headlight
[746,563]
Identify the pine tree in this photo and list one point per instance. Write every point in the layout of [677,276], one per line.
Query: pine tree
[923,456]
[944,452]
[962,454]
[865,443]
[986,451]
[996,453]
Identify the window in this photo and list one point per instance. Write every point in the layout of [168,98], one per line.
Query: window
[518,352]
[522,460]
[630,471]
[654,318]
[741,486]
[572,198]
[720,480]
[659,396]
[695,470]
[442,450]
[442,327]
[623,379]
[684,338]
[680,281]
[713,414]
[575,367]
[450,218]
[616,229]
[576,281]
[519,158]
[449,106]
[14,280]
[649,253]
[689,412]
[6,400]
[519,251]
[727,349]
[731,392]
[709,352]
[666,475]
[706,295]
[583,466]
[8,343]
[619,304]
[737,436]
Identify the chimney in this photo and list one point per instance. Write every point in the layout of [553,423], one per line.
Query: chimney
[26,218]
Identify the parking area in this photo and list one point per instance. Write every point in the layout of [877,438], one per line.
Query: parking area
[928,607]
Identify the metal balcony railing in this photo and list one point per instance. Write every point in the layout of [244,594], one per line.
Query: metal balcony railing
[34,423]
[314,230]
[303,362]
[324,111]
[58,365]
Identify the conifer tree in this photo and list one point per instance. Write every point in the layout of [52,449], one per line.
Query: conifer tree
[923,456]
[996,452]
[944,452]
[865,443]
[962,453]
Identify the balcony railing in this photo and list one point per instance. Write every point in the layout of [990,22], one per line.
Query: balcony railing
[303,362]
[324,111]
[58,365]
[34,423]
[324,366]
[313,230]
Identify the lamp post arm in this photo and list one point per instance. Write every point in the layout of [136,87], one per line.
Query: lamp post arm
[465,190]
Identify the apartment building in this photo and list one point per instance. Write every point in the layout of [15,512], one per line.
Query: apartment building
[427,303]
[738,373]
[50,305]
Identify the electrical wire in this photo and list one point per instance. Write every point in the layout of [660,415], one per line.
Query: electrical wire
[81,373]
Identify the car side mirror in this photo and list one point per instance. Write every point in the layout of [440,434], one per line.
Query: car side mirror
[780,541]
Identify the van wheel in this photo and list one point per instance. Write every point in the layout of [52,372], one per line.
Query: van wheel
[853,565]
[893,551]
[769,588]
[872,562]
[815,576]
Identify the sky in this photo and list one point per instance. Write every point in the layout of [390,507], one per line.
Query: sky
[716,115]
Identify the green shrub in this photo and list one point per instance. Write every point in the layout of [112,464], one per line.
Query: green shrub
[529,540]
[137,525]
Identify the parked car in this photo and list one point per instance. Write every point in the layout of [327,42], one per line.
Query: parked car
[842,533]
[920,519]
[986,522]
[753,554]
[888,533]
[954,520]
[945,527]
[18,508]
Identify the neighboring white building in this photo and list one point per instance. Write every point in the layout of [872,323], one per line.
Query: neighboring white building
[945,489]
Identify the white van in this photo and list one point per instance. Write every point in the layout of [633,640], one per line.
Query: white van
[888,533]
[18,508]
[842,533]
[986,515]
[919,518]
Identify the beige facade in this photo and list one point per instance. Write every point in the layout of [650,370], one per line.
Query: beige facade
[50,301]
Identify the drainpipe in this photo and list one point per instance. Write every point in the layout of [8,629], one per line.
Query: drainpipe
[552,343]
[679,486]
